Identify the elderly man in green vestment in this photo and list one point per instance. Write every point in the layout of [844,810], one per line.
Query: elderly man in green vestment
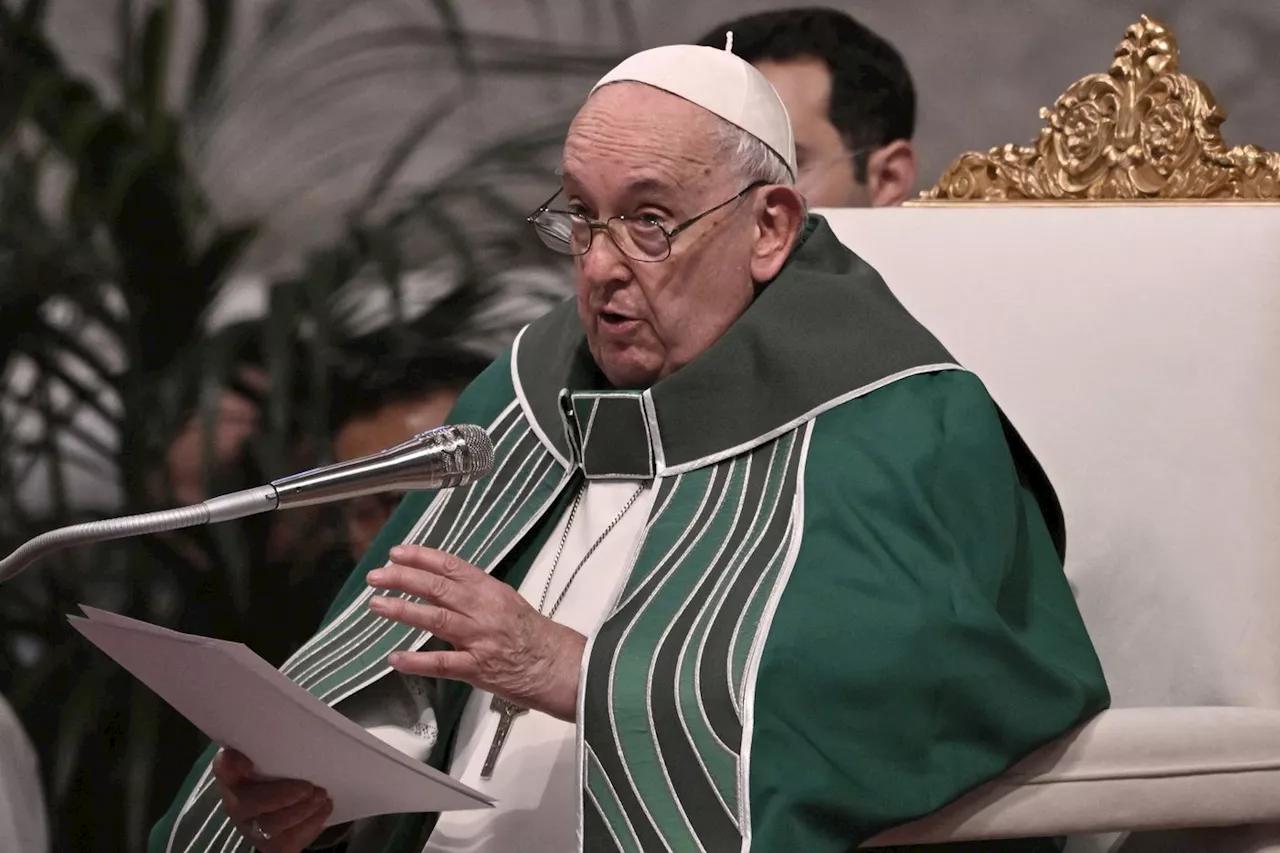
[758,566]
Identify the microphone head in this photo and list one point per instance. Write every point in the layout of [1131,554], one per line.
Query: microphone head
[467,453]
[442,458]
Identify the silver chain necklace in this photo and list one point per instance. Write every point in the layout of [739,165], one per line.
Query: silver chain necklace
[507,709]
[564,537]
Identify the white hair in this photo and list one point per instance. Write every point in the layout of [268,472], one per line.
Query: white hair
[751,158]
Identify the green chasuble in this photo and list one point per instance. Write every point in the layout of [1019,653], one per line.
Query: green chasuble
[847,607]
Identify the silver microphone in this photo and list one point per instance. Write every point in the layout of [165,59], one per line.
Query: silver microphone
[440,458]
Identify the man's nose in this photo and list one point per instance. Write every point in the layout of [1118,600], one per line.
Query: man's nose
[603,262]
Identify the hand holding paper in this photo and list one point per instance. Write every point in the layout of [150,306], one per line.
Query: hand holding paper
[242,702]
[280,815]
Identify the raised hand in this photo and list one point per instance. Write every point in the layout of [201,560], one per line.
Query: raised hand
[501,643]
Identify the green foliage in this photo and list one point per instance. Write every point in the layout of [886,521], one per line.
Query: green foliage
[110,259]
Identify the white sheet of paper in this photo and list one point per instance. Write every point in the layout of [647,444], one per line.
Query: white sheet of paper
[242,702]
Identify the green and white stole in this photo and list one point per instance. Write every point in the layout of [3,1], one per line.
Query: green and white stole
[480,523]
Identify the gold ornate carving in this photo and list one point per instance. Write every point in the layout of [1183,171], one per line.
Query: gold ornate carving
[1143,130]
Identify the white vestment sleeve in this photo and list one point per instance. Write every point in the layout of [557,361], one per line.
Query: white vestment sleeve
[399,710]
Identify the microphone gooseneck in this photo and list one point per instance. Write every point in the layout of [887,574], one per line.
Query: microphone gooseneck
[234,505]
[441,458]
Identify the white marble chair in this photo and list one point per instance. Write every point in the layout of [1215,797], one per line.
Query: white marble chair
[1137,347]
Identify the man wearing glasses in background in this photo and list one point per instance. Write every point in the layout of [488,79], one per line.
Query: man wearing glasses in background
[850,98]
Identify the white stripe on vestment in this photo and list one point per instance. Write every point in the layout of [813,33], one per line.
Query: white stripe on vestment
[535,780]
[762,635]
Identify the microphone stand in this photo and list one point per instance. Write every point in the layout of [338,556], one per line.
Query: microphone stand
[440,458]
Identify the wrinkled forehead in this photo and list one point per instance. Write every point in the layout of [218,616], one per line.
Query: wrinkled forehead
[629,126]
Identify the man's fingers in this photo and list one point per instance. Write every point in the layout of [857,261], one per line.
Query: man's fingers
[277,823]
[247,800]
[436,562]
[224,768]
[457,666]
[417,582]
[445,624]
[229,767]
[301,835]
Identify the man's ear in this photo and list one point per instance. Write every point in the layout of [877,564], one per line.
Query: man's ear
[780,213]
[891,173]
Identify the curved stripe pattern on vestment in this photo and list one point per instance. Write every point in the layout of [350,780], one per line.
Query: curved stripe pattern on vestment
[662,730]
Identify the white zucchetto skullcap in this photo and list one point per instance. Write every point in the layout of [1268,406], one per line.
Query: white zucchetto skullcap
[719,82]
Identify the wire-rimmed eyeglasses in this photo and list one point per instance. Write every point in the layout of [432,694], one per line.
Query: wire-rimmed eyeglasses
[642,238]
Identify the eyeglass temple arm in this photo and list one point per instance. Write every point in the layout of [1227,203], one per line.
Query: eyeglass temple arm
[546,204]
[683,225]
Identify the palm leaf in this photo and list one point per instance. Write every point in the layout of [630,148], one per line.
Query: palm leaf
[78,717]
[53,374]
[61,339]
[220,256]
[277,22]
[457,37]
[31,681]
[424,41]
[408,143]
[153,69]
[628,26]
[32,12]
[99,463]
[126,59]
[217,18]
[143,743]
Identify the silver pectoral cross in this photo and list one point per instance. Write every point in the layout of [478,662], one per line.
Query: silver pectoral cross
[508,711]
